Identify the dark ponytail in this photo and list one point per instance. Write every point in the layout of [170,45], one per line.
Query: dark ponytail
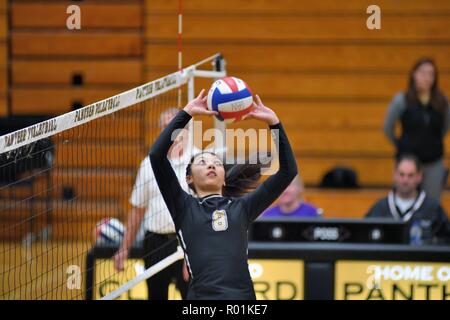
[240,178]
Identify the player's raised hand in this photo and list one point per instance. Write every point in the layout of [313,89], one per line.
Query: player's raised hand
[119,259]
[198,106]
[261,112]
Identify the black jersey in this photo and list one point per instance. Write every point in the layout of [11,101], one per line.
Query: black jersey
[213,230]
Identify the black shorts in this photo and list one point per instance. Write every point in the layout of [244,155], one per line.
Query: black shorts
[158,246]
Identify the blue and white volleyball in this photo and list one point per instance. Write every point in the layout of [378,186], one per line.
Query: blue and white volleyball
[231,97]
[109,231]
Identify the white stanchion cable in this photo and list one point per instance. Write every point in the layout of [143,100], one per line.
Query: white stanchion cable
[178,255]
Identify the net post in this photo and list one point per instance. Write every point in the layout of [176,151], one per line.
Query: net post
[219,64]
[191,96]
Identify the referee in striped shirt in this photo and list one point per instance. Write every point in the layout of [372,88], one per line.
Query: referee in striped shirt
[149,208]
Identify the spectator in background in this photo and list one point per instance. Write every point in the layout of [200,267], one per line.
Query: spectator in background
[407,202]
[423,112]
[291,203]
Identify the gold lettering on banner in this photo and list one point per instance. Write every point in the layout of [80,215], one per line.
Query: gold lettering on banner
[150,88]
[31,132]
[97,108]
[42,128]
[144,91]
[15,138]
[84,113]
[387,280]
[107,105]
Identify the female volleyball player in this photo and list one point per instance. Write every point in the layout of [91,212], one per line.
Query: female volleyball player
[212,227]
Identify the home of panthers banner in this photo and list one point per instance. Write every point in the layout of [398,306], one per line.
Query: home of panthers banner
[376,280]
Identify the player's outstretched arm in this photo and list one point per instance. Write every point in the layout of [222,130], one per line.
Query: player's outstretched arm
[166,178]
[266,193]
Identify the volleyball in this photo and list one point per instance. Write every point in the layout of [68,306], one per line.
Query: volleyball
[231,97]
[109,231]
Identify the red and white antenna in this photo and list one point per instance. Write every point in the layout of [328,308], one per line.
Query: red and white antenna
[180,46]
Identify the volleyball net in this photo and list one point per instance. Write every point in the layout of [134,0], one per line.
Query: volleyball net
[65,187]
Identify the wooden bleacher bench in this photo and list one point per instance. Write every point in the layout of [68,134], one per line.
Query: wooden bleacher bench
[289,28]
[75,45]
[349,87]
[299,57]
[35,101]
[298,6]
[74,220]
[101,155]
[126,15]
[93,72]
[353,203]
[328,77]
[88,184]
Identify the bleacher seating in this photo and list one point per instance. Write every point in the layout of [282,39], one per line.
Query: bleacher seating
[328,77]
